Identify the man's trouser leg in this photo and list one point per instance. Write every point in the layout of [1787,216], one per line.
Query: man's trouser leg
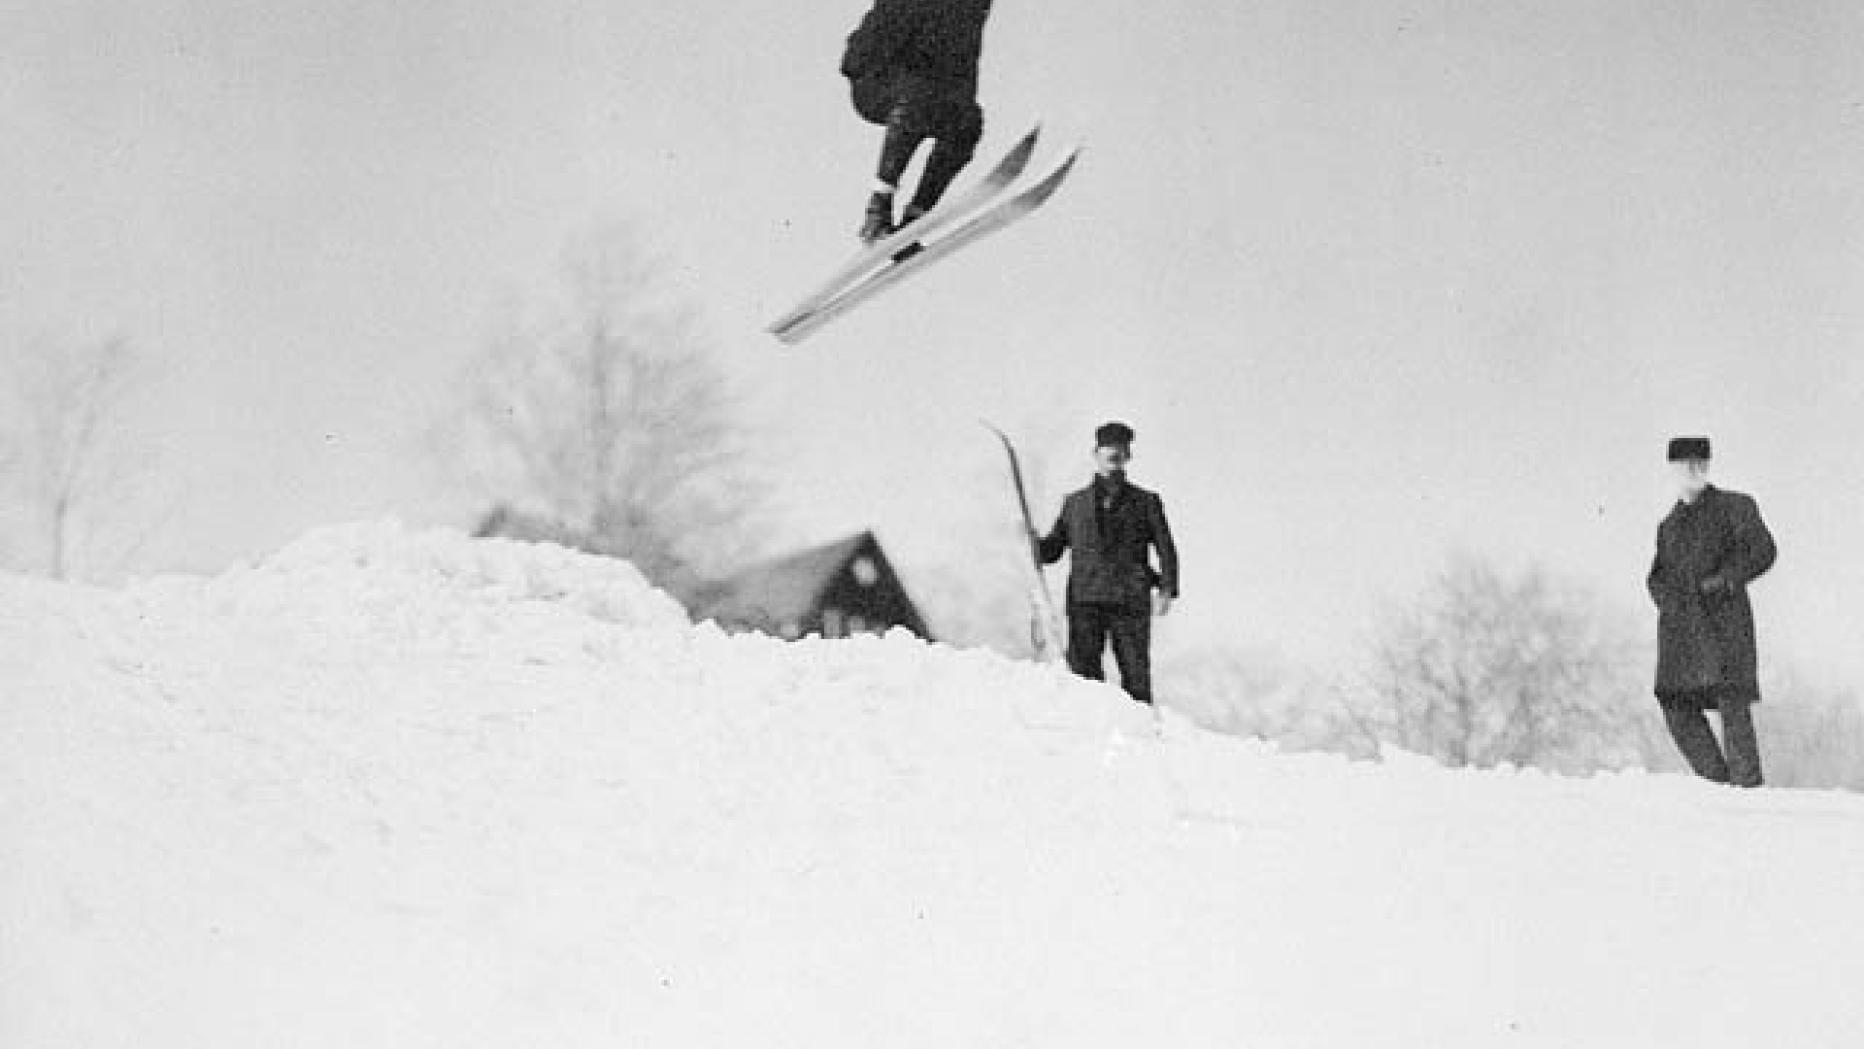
[1132,651]
[1087,639]
[1689,727]
[877,99]
[1739,740]
[904,133]
[956,128]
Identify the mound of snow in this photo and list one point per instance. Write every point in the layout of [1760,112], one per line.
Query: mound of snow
[392,788]
[382,588]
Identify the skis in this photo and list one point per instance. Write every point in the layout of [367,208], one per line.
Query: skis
[985,208]
[1044,626]
[948,210]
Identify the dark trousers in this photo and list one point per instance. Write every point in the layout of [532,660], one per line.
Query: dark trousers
[1091,627]
[1736,759]
[954,125]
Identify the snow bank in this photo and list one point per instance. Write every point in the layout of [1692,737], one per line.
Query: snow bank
[410,789]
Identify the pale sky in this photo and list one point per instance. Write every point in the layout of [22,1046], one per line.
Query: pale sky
[1373,281]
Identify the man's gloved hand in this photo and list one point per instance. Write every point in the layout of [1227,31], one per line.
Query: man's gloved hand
[1714,585]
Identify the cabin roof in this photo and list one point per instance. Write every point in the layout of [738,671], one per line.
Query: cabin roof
[784,589]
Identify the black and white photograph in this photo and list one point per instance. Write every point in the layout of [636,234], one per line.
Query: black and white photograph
[931,524]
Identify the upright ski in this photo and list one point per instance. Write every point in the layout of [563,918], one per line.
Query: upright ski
[947,211]
[1005,210]
[1044,625]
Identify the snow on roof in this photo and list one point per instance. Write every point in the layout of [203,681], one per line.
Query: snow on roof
[782,590]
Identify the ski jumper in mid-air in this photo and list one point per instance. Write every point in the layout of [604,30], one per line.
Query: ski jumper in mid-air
[912,67]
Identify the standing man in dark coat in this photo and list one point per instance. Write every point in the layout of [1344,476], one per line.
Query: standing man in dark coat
[1712,544]
[912,67]
[1111,526]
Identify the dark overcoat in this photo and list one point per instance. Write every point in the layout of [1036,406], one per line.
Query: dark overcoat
[1707,553]
[922,51]
[1112,541]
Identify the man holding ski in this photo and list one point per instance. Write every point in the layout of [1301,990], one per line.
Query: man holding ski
[912,67]
[1112,526]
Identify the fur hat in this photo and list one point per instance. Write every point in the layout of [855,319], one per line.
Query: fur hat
[1113,435]
[1682,448]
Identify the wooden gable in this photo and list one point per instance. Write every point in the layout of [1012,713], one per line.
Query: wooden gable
[837,589]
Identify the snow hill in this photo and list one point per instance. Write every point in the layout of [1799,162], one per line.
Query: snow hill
[404,789]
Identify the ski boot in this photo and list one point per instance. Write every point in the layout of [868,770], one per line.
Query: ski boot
[878,222]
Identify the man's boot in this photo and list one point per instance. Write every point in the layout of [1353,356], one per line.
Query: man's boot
[878,222]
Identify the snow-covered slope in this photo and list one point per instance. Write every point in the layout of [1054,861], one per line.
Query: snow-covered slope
[410,789]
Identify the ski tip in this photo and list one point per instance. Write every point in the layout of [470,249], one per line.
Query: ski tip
[1052,181]
[1027,144]
[788,320]
[1015,160]
[790,330]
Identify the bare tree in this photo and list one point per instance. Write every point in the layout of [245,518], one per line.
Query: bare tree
[1812,734]
[73,459]
[1487,669]
[1252,690]
[980,592]
[612,421]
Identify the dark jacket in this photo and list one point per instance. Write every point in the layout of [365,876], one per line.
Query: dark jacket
[1110,538]
[1707,553]
[927,49]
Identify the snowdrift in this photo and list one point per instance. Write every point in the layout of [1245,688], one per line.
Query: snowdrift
[404,789]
